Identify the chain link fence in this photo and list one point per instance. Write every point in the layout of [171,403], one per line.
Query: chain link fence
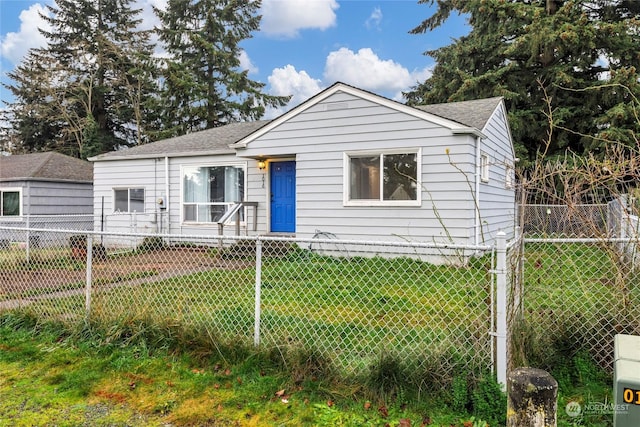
[577,295]
[432,307]
[578,270]
[349,302]
[17,231]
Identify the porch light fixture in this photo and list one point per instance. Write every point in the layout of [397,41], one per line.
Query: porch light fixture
[262,165]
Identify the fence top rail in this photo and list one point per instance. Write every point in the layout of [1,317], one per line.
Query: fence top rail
[53,216]
[200,238]
[543,205]
[581,240]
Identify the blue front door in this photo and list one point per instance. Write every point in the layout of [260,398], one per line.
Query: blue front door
[283,197]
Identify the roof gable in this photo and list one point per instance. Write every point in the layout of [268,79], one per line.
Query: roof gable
[442,120]
[50,166]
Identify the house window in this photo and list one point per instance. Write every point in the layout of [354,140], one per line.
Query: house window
[388,178]
[128,200]
[509,178]
[207,191]
[10,202]
[484,167]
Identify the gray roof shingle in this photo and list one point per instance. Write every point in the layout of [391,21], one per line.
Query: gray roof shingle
[208,141]
[217,140]
[49,166]
[474,113]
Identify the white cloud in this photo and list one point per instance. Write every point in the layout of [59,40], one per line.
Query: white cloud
[374,19]
[15,45]
[285,18]
[364,69]
[246,64]
[287,81]
[147,15]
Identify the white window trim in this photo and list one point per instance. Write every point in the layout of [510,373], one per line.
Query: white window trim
[128,211]
[484,167]
[20,213]
[346,184]
[243,165]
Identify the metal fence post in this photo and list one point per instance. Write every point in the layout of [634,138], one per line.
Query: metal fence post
[256,330]
[87,296]
[501,308]
[28,242]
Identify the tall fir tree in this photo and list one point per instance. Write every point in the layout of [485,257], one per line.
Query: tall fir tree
[573,64]
[31,124]
[203,86]
[98,87]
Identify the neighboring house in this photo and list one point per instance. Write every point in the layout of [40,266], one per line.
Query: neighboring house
[44,190]
[44,184]
[346,162]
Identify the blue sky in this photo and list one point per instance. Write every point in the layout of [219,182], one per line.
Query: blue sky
[303,45]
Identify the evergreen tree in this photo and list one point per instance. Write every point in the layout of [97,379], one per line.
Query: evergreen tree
[32,124]
[97,83]
[203,86]
[576,60]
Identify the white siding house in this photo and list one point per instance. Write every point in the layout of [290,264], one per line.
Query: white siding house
[346,162]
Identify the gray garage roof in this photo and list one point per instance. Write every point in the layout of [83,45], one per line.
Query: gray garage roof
[208,141]
[470,113]
[50,166]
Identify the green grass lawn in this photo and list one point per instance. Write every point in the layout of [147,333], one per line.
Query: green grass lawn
[52,376]
[378,320]
[52,379]
[350,310]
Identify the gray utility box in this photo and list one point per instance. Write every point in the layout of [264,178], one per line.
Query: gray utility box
[626,381]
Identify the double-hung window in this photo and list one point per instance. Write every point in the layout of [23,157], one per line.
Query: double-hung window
[208,191]
[382,178]
[10,202]
[128,200]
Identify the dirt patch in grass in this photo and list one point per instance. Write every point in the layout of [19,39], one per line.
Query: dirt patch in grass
[43,275]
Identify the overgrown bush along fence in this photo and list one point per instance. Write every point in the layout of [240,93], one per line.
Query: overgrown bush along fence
[350,303]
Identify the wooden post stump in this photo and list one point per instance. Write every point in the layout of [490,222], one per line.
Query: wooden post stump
[532,398]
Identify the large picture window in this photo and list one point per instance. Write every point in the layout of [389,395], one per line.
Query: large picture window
[10,202]
[389,178]
[207,191]
[128,200]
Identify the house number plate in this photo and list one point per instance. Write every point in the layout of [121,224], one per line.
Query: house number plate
[631,396]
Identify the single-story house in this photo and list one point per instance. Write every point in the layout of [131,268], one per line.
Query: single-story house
[47,183]
[346,162]
[44,190]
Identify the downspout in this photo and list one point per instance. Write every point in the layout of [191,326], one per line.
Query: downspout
[476,206]
[166,196]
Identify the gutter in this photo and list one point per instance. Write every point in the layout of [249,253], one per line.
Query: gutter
[468,130]
[155,155]
[166,189]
